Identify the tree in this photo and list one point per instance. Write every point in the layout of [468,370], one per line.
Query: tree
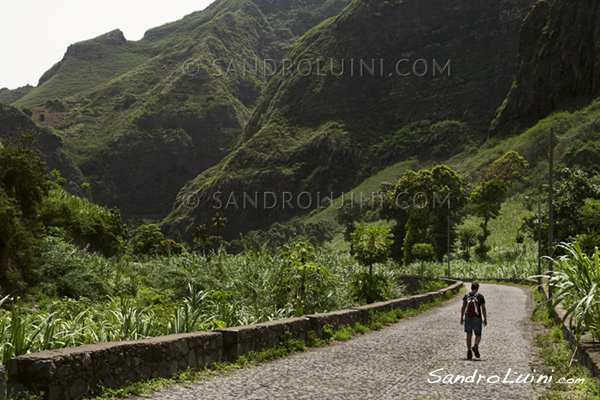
[347,215]
[23,174]
[371,244]
[423,252]
[218,223]
[509,169]
[23,186]
[201,234]
[569,200]
[488,196]
[590,219]
[584,156]
[467,238]
[148,240]
[302,273]
[575,191]
[422,202]
[487,199]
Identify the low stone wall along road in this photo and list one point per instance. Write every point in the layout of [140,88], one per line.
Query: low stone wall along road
[408,360]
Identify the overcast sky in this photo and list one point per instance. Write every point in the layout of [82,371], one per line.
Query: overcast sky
[35,34]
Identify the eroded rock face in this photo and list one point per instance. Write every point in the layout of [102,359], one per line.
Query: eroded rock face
[558,62]
[432,60]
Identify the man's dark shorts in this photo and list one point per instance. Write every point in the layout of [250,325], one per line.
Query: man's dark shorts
[473,324]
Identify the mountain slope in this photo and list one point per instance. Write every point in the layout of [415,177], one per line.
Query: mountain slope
[319,132]
[153,114]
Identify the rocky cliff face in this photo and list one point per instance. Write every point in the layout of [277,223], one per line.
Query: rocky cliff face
[339,107]
[558,63]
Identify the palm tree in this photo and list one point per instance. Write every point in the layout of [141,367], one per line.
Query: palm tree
[202,234]
[218,223]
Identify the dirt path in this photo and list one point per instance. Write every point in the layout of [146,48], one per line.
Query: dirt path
[402,361]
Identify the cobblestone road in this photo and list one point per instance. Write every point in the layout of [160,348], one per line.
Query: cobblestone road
[398,361]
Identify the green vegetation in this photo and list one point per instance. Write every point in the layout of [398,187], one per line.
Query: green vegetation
[556,355]
[576,285]
[73,275]
[488,196]
[85,223]
[31,206]
[422,204]
[370,245]
[175,294]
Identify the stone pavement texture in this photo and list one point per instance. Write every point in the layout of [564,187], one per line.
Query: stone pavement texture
[398,362]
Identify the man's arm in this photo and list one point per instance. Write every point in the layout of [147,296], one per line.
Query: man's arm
[462,312]
[484,312]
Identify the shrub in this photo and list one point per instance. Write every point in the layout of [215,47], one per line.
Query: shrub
[370,288]
[86,224]
[67,273]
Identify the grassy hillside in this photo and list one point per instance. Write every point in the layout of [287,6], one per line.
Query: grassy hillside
[581,127]
[86,65]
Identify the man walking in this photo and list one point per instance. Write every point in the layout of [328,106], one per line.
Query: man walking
[471,313]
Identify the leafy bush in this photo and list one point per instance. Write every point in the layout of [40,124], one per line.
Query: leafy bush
[67,272]
[86,224]
[149,240]
[370,288]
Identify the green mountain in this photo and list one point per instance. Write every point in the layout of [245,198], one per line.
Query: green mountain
[142,118]
[396,80]
[260,109]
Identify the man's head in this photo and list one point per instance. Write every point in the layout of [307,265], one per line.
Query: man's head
[474,286]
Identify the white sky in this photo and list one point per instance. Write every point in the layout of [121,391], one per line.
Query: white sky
[35,34]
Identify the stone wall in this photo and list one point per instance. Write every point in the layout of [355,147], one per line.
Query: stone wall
[72,373]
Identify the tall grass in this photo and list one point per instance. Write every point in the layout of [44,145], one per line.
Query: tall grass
[576,285]
[520,268]
[164,295]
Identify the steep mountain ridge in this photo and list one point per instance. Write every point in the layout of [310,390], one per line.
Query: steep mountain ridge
[321,132]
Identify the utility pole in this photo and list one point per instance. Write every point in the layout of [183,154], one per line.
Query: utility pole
[448,247]
[539,201]
[551,207]
[551,199]
[539,238]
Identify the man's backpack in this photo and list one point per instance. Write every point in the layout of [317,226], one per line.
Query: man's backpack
[472,305]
